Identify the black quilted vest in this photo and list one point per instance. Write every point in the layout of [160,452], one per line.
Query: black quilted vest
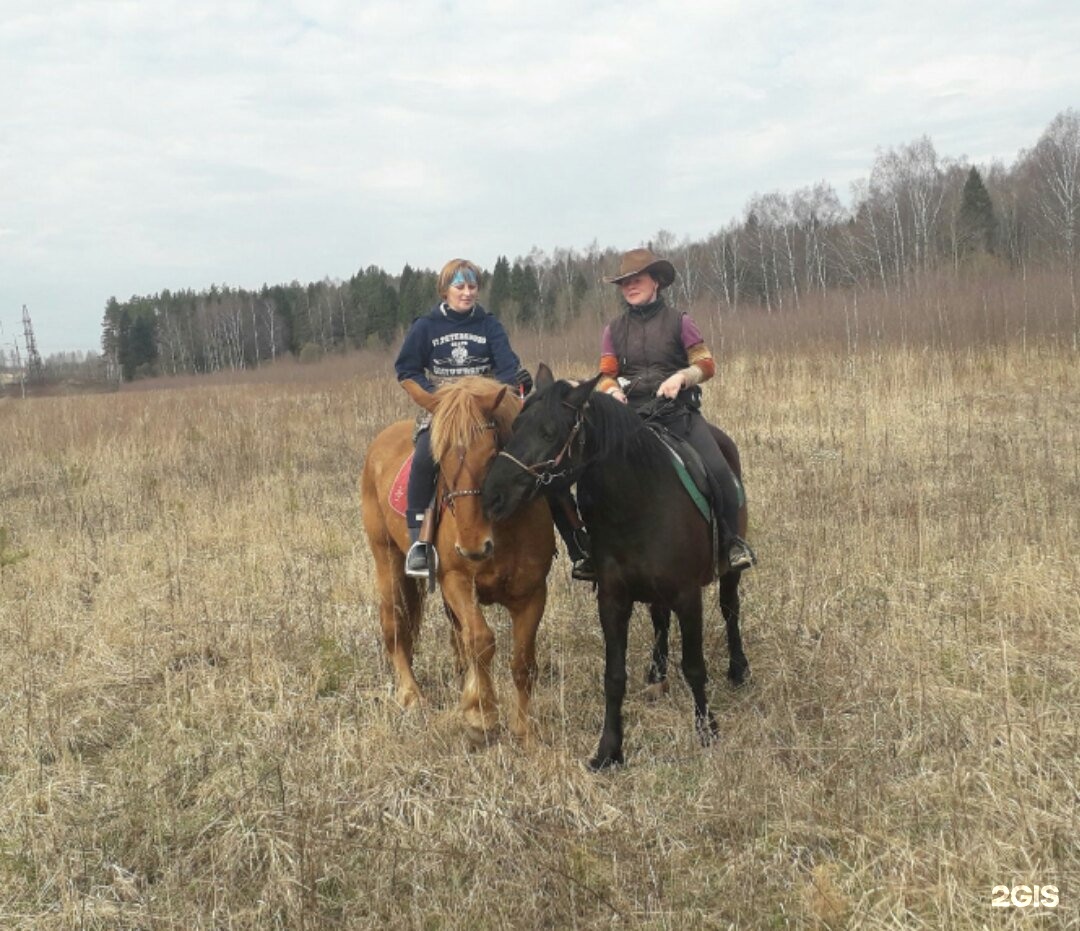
[648,346]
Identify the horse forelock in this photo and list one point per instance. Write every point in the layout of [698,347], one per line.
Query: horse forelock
[459,417]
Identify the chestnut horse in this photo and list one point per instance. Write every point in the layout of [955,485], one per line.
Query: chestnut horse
[479,562]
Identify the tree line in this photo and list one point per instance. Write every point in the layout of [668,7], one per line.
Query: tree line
[917,212]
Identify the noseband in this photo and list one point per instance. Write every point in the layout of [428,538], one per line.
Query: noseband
[545,472]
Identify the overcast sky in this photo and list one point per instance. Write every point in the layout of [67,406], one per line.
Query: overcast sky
[148,145]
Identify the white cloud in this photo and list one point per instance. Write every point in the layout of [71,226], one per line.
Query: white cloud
[169,144]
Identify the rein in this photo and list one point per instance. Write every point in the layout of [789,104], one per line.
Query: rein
[544,472]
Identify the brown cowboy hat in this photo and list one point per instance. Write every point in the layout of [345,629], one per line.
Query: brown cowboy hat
[637,261]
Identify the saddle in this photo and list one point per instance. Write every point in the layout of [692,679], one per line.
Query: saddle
[399,487]
[689,467]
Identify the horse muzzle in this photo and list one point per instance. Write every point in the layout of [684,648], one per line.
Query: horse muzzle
[486,552]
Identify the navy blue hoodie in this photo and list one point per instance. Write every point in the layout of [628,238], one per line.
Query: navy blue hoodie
[446,345]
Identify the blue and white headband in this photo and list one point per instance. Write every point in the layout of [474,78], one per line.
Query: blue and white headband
[462,277]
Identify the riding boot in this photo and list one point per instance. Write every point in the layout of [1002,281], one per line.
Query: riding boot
[739,554]
[419,495]
[727,495]
[418,559]
[579,549]
[574,536]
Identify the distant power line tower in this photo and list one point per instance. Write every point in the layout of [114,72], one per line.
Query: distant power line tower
[35,368]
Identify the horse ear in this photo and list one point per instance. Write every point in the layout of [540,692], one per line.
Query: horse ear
[544,378]
[491,402]
[580,394]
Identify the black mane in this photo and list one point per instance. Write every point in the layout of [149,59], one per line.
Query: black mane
[613,430]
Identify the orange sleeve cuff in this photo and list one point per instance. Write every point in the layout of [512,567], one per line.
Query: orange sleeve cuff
[699,355]
[609,369]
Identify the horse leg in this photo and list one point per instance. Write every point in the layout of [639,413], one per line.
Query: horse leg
[400,604]
[693,664]
[656,680]
[615,608]
[456,642]
[738,666]
[526,620]
[478,702]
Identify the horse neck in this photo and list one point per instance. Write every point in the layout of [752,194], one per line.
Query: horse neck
[625,460]
[613,431]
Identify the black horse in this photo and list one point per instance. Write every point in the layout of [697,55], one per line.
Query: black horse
[650,543]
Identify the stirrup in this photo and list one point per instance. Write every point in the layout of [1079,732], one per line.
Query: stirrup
[740,556]
[417,563]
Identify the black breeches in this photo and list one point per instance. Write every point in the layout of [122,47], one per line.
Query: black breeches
[422,475]
[696,430]
[728,448]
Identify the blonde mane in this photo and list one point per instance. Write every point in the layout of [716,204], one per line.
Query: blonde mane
[458,417]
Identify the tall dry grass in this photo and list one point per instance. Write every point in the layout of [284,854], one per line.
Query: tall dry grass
[197,727]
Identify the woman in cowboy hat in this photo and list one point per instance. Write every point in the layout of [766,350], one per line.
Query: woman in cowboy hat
[655,351]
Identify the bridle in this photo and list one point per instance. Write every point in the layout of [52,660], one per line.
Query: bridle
[452,491]
[545,472]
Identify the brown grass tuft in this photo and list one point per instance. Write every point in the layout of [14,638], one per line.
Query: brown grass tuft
[196,721]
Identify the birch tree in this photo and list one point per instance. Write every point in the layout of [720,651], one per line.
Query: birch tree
[1055,166]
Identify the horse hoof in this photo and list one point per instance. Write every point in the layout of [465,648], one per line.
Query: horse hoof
[526,742]
[410,700]
[605,760]
[482,720]
[738,676]
[479,738]
[521,730]
[707,731]
[655,691]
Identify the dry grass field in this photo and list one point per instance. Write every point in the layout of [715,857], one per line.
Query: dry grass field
[197,728]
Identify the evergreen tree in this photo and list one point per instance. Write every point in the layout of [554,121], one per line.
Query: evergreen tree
[373,293]
[416,294]
[141,352]
[525,292]
[976,222]
[500,285]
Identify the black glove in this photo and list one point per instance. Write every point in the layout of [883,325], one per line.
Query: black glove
[524,382]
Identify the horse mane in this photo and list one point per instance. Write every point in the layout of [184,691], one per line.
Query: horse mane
[614,430]
[458,416]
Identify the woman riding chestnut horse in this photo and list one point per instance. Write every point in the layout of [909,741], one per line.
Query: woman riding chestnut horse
[458,338]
